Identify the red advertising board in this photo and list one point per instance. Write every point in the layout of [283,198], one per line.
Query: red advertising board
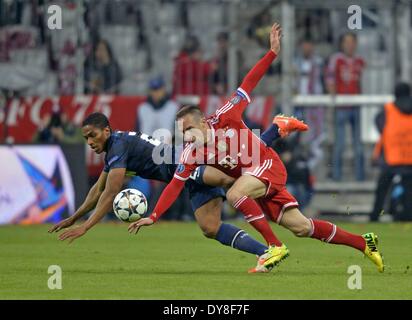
[24,114]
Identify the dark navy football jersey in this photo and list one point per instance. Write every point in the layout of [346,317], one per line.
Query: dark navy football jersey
[149,158]
[141,155]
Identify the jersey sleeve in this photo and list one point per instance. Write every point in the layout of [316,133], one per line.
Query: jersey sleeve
[233,108]
[236,105]
[167,198]
[257,72]
[116,157]
[174,188]
[187,163]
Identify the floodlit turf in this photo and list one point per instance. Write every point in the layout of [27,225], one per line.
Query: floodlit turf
[174,261]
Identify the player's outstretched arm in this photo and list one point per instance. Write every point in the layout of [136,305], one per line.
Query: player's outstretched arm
[258,71]
[104,205]
[89,204]
[167,198]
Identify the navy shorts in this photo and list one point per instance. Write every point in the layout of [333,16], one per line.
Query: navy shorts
[199,192]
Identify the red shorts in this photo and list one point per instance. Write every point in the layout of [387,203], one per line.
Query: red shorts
[271,172]
[274,206]
[277,199]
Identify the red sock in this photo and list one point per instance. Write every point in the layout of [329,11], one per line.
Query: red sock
[328,232]
[254,215]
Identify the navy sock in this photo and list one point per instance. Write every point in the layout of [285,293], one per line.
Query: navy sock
[270,134]
[230,235]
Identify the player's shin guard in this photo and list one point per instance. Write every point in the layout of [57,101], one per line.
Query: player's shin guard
[254,215]
[328,232]
[230,235]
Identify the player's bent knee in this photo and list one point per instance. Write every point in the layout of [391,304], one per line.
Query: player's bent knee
[227,182]
[208,217]
[233,195]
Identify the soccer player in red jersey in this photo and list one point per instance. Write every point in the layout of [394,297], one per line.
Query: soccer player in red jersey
[223,141]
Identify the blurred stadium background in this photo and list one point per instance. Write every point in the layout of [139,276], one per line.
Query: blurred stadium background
[137,61]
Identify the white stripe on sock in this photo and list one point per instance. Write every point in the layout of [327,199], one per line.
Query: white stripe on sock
[234,238]
[332,235]
[256,218]
[313,228]
[239,202]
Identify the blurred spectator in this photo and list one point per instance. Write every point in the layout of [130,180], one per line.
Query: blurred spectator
[102,72]
[12,12]
[220,78]
[308,68]
[344,77]
[299,182]
[258,30]
[394,153]
[15,37]
[260,26]
[191,74]
[57,128]
[158,111]
[220,64]
[67,68]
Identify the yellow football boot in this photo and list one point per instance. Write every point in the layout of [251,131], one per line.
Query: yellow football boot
[371,250]
[271,258]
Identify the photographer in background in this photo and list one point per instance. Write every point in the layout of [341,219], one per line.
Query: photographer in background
[295,156]
[57,128]
[394,153]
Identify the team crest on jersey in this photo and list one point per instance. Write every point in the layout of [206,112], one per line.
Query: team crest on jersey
[180,168]
[222,146]
[235,100]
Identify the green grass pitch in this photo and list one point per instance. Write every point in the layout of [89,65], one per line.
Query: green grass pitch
[174,261]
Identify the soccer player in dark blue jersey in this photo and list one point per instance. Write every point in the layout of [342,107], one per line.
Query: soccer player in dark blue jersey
[132,153]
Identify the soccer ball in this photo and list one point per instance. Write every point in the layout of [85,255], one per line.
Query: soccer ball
[130,205]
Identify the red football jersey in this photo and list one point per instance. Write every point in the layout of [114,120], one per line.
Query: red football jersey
[346,73]
[233,149]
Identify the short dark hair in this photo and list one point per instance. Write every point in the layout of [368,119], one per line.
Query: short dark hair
[306,38]
[402,89]
[191,44]
[96,119]
[223,35]
[189,109]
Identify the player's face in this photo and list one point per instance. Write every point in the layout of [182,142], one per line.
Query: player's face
[194,129]
[349,45]
[307,49]
[95,137]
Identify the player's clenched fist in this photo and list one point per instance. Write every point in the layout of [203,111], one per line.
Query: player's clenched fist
[135,226]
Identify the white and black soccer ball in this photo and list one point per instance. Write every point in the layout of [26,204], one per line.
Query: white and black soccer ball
[130,205]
